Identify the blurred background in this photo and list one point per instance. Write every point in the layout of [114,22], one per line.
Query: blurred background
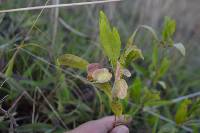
[36,97]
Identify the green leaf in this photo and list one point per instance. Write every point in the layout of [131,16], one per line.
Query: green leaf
[164,66]
[1,17]
[151,30]
[110,39]
[84,107]
[182,112]
[157,103]
[35,127]
[168,128]
[72,61]
[151,97]
[180,47]
[195,109]
[162,69]
[135,90]
[131,54]
[117,108]
[140,69]
[63,93]
[155,56]
[168,30]
[9,70]
[106,88]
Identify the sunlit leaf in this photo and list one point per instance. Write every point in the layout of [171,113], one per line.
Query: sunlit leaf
[168,30]
[110,39]
[180,47]
[72,61]
[101,75]
[182,112]
[120,89]
[117,108]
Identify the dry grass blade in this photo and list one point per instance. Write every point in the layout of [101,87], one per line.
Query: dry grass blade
[186,97]
[52,108]
[23,94]
[166,119]
[161,117]
[179,99]
[3,99]
[68,27]
[57,6]
[54,19]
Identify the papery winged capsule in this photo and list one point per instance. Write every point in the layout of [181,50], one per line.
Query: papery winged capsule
[120,89]
[101,75]
[126,72]
[91,68]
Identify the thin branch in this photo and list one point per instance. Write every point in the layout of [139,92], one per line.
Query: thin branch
[57,6]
